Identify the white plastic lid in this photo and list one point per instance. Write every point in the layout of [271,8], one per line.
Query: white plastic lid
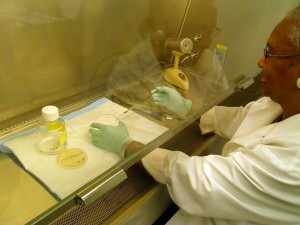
[50,113]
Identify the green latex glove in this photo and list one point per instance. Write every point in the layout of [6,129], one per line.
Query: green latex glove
[112,138]
[171,99]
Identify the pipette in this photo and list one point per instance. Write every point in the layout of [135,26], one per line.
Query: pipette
[147,109]
[138,103]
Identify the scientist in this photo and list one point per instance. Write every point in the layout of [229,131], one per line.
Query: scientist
[257,178]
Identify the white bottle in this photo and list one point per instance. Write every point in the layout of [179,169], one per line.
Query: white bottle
[52,134]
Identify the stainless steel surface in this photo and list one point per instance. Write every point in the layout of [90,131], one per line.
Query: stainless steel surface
[137,184]
[93,192]
[145,209]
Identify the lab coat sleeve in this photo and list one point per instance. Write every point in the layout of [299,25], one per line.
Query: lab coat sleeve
[240,187]
[154,164]
[224,121]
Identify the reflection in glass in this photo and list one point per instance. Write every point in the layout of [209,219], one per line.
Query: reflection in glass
[150,58]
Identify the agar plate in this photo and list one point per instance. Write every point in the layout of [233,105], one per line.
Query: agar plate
[72,158]
[108,119]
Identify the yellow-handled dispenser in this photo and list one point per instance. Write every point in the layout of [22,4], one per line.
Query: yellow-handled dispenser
[173,74]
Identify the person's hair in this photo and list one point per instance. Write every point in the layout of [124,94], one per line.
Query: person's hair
[294,31]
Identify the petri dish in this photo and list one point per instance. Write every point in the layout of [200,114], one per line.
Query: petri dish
[72,158]
[108,119]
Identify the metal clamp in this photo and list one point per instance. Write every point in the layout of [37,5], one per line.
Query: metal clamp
[92,193]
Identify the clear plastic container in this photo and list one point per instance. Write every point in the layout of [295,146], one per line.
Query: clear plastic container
[108,119]
[51,132]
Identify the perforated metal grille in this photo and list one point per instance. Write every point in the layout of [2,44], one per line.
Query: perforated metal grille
[28,119]
[108,204]
[33,115]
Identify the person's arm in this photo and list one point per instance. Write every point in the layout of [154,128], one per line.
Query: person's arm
[245,182]
[221,120]
[132,147]
[225,121]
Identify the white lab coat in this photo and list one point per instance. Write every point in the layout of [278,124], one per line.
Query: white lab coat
[257,179]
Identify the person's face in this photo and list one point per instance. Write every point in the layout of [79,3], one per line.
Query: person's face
[279,74]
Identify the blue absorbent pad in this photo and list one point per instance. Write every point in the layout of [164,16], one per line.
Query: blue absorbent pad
[66,117]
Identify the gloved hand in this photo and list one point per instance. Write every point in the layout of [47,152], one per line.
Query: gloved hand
[171,99]
[111,138]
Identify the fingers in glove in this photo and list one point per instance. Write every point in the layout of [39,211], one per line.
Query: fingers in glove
[156,95]
[94,131]
[95,141]
[122,124]
[154,91]
[162,89]
[97,125]
[159,99]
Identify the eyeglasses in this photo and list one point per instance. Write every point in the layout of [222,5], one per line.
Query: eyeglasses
[268,55]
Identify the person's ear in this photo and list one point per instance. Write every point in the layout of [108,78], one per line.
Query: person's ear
[298,83]
[158,35]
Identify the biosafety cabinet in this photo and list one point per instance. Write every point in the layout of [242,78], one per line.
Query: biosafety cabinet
[94,58]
